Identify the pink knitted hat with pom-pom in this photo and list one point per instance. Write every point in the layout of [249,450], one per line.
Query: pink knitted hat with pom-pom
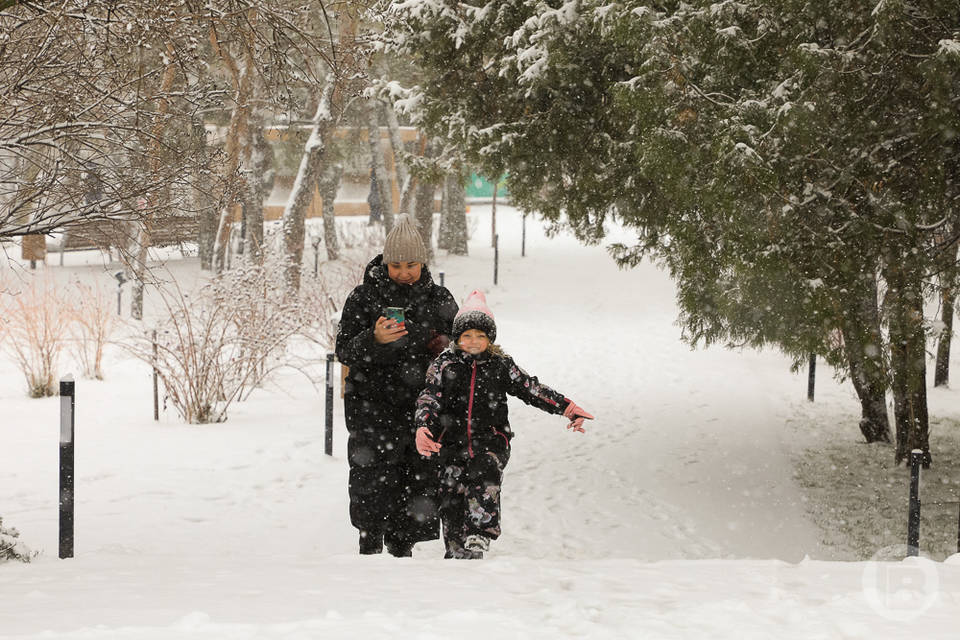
[475,314]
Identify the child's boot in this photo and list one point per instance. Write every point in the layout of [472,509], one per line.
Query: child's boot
[476,546]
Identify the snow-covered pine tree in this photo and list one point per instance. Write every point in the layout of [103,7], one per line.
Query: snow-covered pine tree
[778,159]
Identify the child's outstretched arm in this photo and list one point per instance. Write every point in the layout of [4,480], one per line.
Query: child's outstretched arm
[537,394]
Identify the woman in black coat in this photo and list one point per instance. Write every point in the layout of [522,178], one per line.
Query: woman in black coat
[393,490]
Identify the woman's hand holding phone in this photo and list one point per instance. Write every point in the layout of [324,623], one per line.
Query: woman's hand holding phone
[387,330]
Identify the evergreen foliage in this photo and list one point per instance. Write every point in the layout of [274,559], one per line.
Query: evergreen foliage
[788,162]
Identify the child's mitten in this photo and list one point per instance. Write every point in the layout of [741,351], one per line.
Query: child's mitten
[576,415]
[425,443]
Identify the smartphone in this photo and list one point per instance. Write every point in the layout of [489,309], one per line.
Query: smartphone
[395,313]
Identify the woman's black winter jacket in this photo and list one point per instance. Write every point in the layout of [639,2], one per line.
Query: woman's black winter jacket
[464,403]
[392,374]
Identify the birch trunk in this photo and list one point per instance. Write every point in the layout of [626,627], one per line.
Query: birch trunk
[139,266]
[308,175]
[396,143]
[329,185]
[379,166]
[236,134]
[259,183]
[409,193]
[203,205]
[863,346]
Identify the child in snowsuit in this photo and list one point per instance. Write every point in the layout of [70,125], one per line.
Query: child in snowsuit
[462,416]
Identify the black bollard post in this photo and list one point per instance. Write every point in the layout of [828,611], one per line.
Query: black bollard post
[913,524]
[441,278]
[523,241]
[811,376]
[156,394]
[67,405]
[328,440]
[496,257]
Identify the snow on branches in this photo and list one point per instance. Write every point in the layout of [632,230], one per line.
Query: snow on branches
[11,548]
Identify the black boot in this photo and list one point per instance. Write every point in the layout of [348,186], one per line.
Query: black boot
[401,549]
[371,543]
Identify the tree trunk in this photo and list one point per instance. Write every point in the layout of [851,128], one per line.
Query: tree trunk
[259,184]
[329,185]
[139,268]
[863,346]
[443,232]
[458,216]
[941,376]
[203,203]
[379,166]
[396,143]
[144,235]
[907,356]
[424,213]
[409,193]
[947,262]
[308,175]
[236,133]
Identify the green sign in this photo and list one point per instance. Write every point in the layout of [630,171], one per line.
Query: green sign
[480,187]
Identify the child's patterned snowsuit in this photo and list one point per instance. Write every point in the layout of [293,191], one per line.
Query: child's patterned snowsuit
[464,405]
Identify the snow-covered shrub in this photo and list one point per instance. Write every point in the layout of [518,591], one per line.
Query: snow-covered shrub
[322,297]
[94,320]
[215,344]
[357,236]
[10,546]
[37,321]
[265,316]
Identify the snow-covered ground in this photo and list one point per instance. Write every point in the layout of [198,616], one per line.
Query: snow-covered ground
[683,512]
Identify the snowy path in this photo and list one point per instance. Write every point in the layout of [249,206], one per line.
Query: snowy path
[685,459]
[240,530]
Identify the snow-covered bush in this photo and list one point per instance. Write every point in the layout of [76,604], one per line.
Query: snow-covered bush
[10,546]
[37,320]
[94,320]
[214,344]
[322,297]
[358,237]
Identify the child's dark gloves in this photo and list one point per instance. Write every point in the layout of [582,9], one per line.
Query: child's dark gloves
[425,443]
[576,415]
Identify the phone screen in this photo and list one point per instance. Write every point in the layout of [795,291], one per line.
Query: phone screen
[394,313]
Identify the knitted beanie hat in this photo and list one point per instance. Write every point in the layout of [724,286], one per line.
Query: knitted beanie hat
[475,314]
[404,243]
